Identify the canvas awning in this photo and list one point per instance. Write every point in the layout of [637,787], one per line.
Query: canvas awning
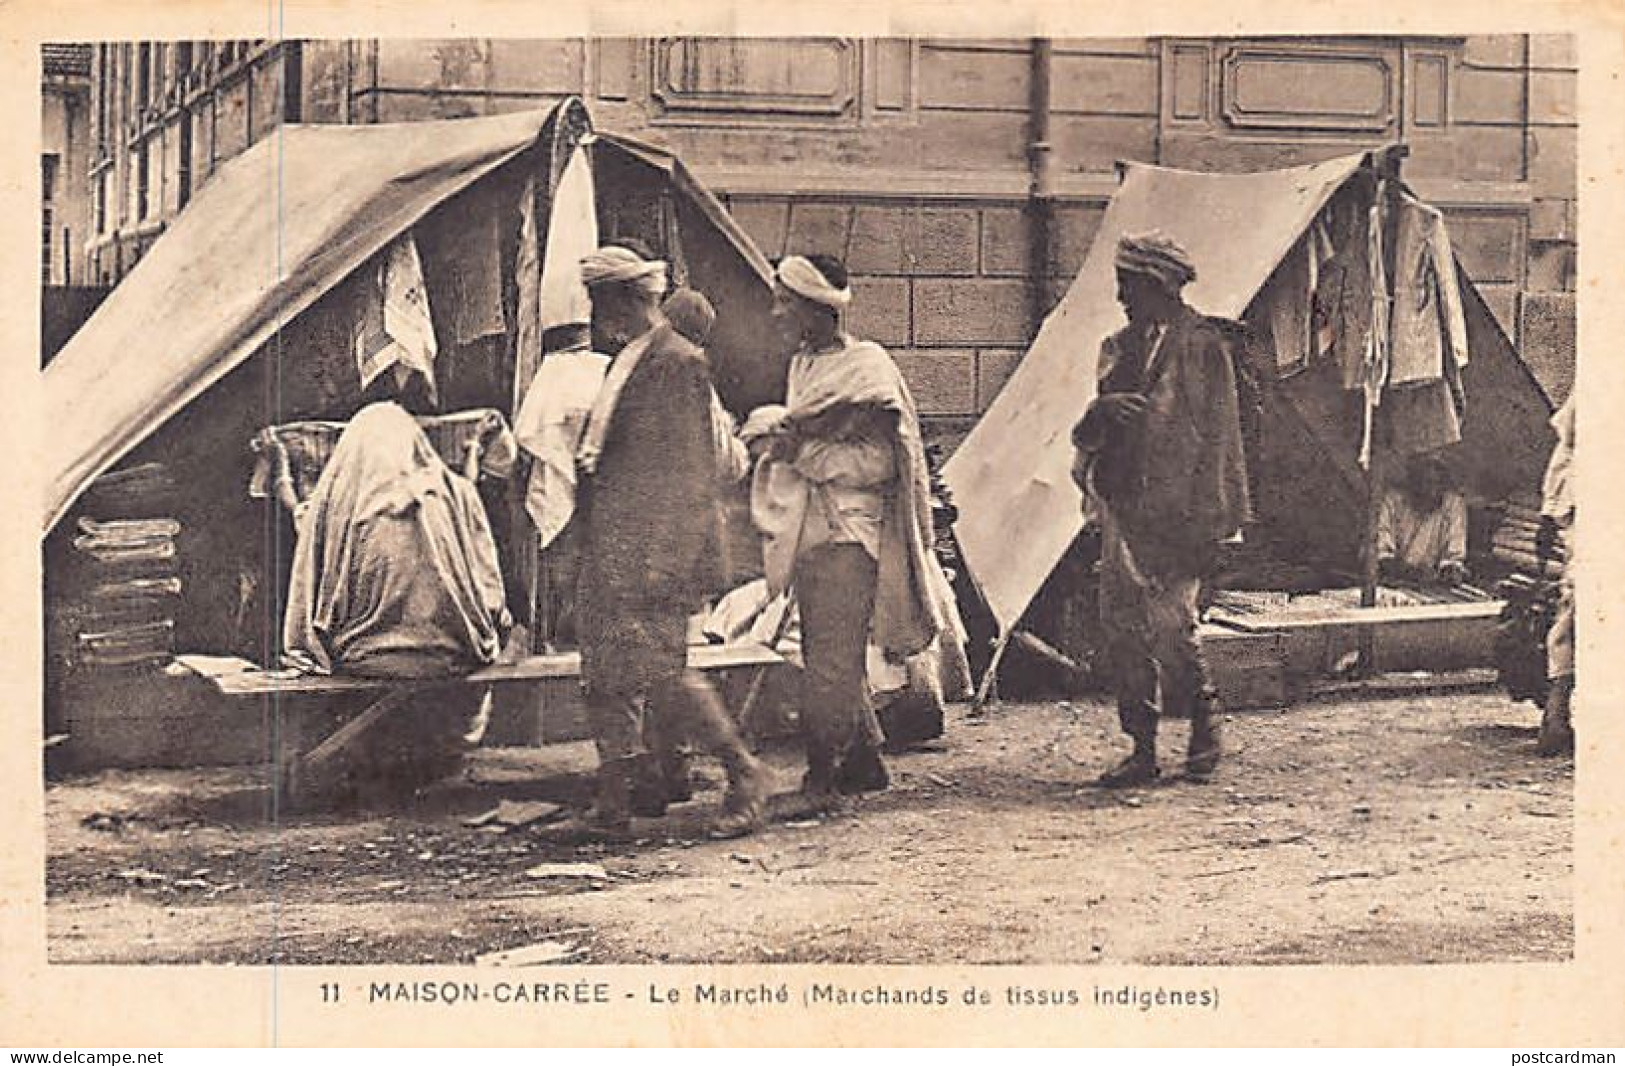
[1011,478]
[276,228]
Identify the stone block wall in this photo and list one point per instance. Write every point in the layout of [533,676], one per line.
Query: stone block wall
[909,157]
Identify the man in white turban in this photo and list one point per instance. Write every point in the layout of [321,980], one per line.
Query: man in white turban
[647,517]
[1160,461]
[843,499]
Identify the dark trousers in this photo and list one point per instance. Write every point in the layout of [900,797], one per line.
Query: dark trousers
[835,591]
[1151,641]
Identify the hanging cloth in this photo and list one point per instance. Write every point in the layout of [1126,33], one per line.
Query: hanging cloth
[1343,300]
[549,428]
[396,329]
[572,235]
[1375,364]
[1428,320]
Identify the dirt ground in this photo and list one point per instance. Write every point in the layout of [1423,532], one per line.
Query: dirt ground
[1405,830]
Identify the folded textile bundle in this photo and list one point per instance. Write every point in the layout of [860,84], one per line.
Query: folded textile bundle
[125,558]
[155,588]
[113,603]
[132,553]
[136,492]
[150,642]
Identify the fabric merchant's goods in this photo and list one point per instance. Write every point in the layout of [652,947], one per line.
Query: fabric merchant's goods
[549,428]
[527,272]
[472,267]
[396,331]
[1419,418]
[141,491]
[1343,306]
[1428,324]
[1291,309]
[1374,368]
[395,570]
[114,608]
[138,645]
[572,235]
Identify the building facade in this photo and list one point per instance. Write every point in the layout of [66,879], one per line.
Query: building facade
[929,165]
[65,131]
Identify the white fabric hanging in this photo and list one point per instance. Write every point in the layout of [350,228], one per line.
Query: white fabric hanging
[397,330]
[572,234]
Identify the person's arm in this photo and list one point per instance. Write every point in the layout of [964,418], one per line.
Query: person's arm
[1109,408]
[852,448]
[286,493]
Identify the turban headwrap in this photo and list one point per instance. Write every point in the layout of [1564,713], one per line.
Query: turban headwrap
[1156,256]
[614,265]
[797,274]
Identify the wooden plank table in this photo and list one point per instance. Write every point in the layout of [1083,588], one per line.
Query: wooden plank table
[239,679]
[250,680]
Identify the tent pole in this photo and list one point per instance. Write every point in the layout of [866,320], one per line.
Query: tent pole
[1387,164]
[991,679]
[1040,205]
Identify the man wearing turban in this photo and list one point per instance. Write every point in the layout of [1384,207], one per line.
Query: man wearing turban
[1160,461]
[843,500]
[648,549]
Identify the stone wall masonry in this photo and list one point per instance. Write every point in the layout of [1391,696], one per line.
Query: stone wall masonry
[913,166]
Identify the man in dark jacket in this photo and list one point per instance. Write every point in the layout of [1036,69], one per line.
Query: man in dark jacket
[648,526]
[1161,464]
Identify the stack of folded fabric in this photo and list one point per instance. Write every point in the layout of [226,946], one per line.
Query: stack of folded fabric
[142,491]
[121,594]
[1514,543]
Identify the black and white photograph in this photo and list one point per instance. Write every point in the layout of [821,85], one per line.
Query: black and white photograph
[535,503]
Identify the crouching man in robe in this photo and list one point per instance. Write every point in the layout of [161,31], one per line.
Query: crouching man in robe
[395,576]
[842,497]
[1160,460]
[648,526]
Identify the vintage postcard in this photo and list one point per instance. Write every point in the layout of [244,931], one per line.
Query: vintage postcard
[887,524]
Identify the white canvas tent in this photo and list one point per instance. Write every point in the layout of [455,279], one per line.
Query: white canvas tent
[1011,478]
